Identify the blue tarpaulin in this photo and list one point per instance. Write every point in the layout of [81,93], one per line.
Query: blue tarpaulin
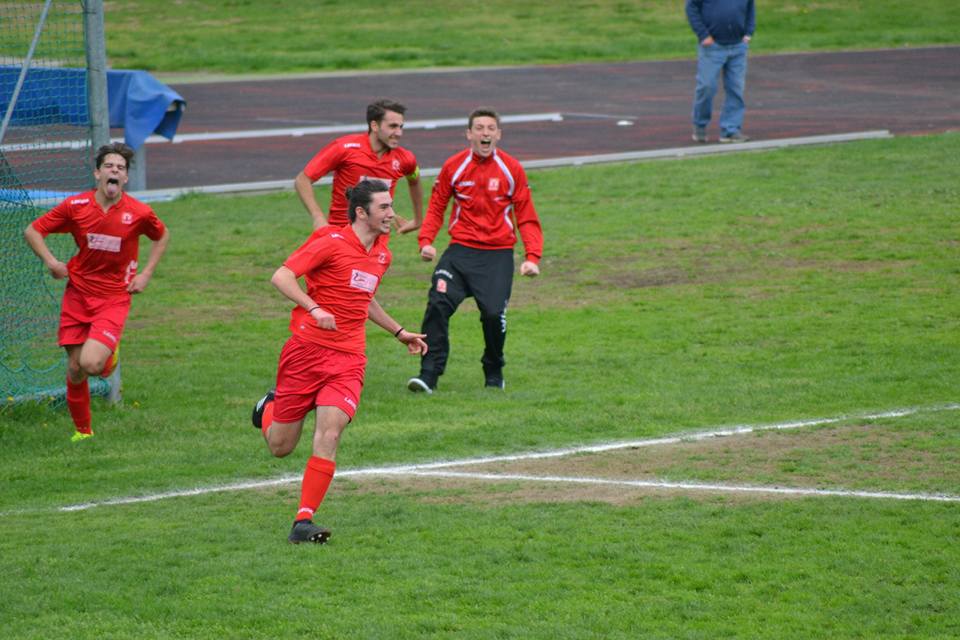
[138,102]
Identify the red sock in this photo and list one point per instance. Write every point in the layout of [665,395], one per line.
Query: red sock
[78,402]
[267,419]
[111,364]
[316,480]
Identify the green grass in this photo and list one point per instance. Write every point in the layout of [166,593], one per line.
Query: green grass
[258,37]
[676,296]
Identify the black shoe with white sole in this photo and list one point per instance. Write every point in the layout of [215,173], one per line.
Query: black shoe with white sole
[306,531]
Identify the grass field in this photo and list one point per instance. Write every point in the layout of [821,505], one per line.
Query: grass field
[241,36]
[676,297]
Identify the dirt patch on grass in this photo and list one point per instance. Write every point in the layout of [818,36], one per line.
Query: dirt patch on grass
[878,458]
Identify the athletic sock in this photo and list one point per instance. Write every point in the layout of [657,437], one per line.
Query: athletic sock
[316,480]
[266,419]
[111,364]
[78,402]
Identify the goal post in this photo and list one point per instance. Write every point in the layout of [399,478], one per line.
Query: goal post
[53,117]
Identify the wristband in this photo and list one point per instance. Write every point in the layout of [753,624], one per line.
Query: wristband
[397,334]
[310,310]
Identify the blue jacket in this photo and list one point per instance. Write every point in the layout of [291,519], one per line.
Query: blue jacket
[726,20]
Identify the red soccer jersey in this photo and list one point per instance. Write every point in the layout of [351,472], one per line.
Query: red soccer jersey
[491,199]
[342,277]
[352,159]
[108,242]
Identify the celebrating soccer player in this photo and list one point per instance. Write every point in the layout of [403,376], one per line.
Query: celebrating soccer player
[106,224]
[322,364]
[491,204]
[375,154]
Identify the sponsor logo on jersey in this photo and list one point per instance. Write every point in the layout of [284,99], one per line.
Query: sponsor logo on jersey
[126,218]
[494,184]
[350,402]
[466,183]
[109,335]
[336,235]
[444,272]
[351,145]
[363,280]
[103,242]
[80,201]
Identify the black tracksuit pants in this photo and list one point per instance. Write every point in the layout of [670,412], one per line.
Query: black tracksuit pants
[487,276]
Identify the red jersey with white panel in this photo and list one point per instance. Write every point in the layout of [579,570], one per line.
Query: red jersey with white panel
[342,277]
[491,202]
[351,159]
[108,241]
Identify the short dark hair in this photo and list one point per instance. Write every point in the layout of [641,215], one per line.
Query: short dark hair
[118,148]
[377,110]
[481,112]
[361,195]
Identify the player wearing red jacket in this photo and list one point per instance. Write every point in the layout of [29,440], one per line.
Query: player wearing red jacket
[491,204]
[106,225]
[375,154]
[322,364]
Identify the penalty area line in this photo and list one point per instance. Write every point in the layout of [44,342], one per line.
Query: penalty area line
[421,469]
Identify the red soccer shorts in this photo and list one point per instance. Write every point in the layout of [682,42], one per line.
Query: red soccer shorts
[83,317]
[310,375]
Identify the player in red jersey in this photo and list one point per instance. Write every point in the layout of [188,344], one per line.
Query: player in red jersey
[322,364]
[106,225]
[352,158]
[491,204]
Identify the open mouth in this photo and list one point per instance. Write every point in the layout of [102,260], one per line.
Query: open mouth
[113,181]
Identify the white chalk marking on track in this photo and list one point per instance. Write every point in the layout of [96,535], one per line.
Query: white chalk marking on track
[428,468]
[286,132]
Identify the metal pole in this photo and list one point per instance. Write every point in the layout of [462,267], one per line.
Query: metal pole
[23,71]
[96,46]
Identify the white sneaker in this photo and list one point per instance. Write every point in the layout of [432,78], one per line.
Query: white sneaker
[417,386]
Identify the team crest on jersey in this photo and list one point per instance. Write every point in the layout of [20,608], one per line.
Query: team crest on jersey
[127,217]
[382,258]
[396,165]
[441,285]
[494,184]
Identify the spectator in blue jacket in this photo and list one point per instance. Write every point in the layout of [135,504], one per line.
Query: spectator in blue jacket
[724,29]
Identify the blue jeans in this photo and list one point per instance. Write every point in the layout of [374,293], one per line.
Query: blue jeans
[732,61]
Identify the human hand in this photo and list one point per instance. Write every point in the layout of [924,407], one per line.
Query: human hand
[58,270]
[139,283]
[406,226]
[428,252]
[414,341]
[323,319]
[707,41]
[529,268]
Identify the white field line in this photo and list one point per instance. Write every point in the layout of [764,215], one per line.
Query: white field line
[423,469]
[284,132]
[156,195]
[691,486]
